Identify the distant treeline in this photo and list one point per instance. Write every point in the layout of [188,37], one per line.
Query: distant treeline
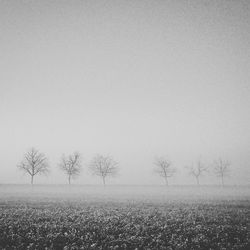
[36,163]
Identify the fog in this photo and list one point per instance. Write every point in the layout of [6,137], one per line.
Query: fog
[127,194]
[130,79]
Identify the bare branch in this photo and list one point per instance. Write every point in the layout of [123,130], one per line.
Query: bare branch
[198,170]
[71,165]
[163,168]
[221,169]
[34,163]
[103,166]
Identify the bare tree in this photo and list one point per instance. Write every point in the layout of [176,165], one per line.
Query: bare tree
[71,165]
[221,169]
[197,171]
[103,166]
[34,163]
[164,169]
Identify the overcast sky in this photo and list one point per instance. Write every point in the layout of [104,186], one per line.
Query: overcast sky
[132,79]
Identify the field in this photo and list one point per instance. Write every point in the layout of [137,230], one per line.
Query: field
[124,218]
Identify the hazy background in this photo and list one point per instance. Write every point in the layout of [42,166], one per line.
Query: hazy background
[133,79]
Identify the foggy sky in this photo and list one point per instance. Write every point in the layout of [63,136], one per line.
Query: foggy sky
[132,79]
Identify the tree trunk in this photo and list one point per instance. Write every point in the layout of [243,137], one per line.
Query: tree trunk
[32,178]
[166,181]
[222,181]
[69,179]
[103,180]
[197,180]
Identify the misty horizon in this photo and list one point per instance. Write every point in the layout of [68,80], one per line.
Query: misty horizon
[134,80]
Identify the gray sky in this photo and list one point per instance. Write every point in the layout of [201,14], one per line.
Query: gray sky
[133,79]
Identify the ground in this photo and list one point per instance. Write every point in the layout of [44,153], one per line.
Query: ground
[117,219]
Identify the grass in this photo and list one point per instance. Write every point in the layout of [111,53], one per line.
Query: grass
[138,222]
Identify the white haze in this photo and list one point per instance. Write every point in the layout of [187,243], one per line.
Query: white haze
[132,79]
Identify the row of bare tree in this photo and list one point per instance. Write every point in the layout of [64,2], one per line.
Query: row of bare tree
[220,169]
[35,163]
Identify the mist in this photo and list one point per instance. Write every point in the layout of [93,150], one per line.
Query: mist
[124,124]
[134,80]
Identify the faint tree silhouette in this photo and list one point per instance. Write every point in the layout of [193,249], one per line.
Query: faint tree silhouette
[221,169]
[103,166]
[71,165]
[197,171]
[34,163]
[164,169]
